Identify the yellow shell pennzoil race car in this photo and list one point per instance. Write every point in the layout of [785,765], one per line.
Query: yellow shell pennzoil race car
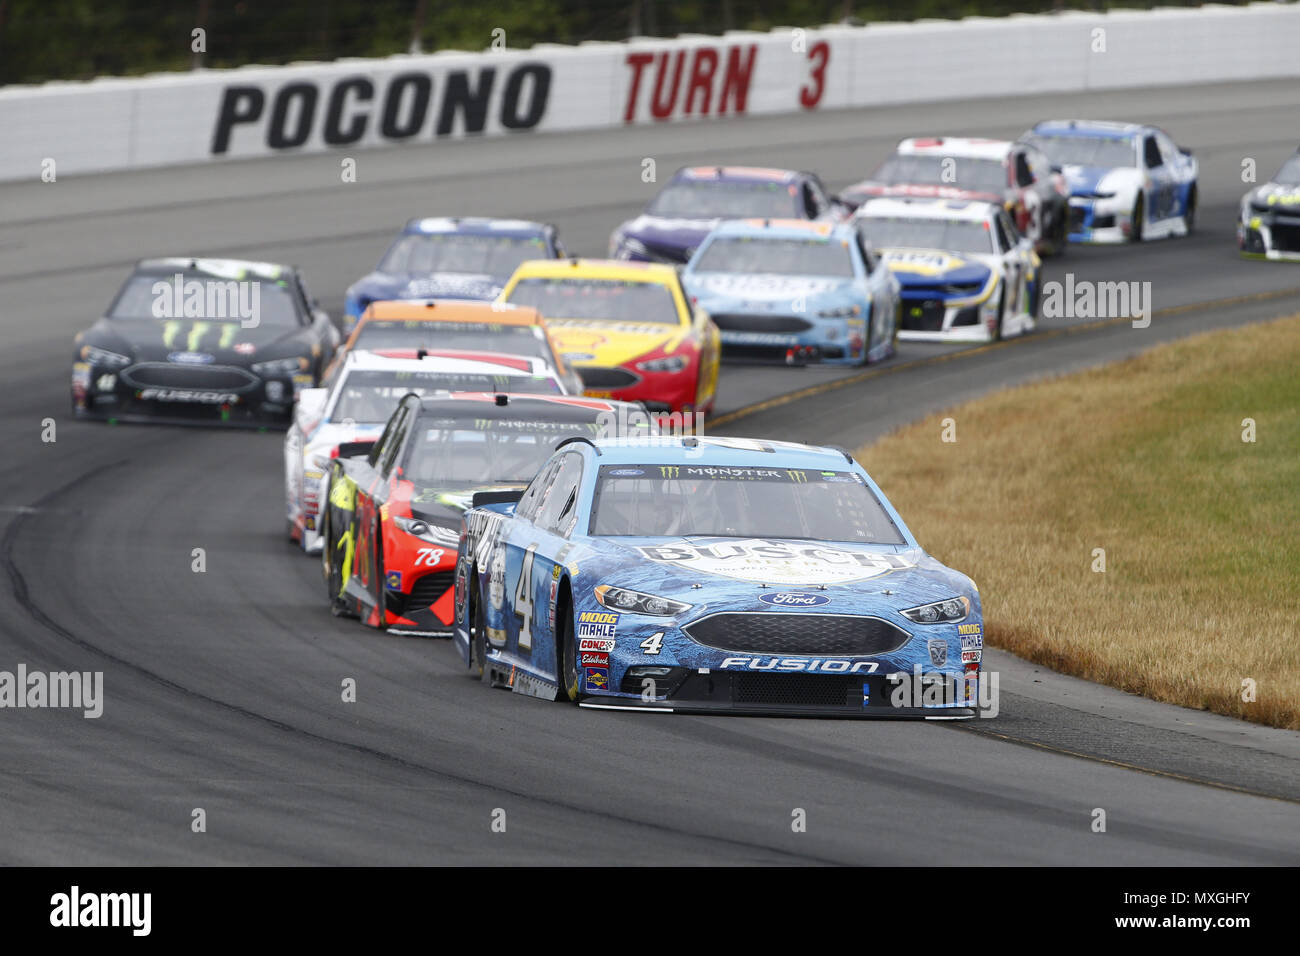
[627,328]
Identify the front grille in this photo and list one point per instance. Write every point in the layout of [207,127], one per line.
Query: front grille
[1286,237]
[1103,222]
[206,378]
[766,353]
[429,588]
[796,689]
[923,315]
[765,632]
[967,316]
[594,376]
[728,322]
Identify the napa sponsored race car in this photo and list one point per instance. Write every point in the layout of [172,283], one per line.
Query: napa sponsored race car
[627,328]
[712,574]
[697,198]
[1268,223]
[1127,182]
[441,324]
[795,291]
[364,393]
[452,258]
[966,274]
[393,507]
[1017,175]
[203,341]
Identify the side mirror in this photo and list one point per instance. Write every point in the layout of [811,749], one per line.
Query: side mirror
[481,498]
[355,449]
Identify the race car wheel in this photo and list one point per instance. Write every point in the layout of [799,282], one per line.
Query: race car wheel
[1189,217]
[381,587]
[1002,314]
[1135,230]
[478,641]
[567,648]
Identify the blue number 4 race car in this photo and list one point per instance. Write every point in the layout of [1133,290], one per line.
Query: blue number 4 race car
[713,574]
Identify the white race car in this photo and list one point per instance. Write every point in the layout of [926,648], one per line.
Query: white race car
[365,390]
[1268,225]
[966,274]
[1126,182]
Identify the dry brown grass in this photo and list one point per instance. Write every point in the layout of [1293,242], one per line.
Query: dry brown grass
[1145,459]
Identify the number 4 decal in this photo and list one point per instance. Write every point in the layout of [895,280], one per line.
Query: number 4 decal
[524,599]
[653,643]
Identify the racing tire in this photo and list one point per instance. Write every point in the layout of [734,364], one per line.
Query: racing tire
[478,639]
[567,664]
[332,574]
[1139,210]
[1189,217]
[381,587]
[1002,314]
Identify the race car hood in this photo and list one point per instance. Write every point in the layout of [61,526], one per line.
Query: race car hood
[742,572]
[1089,180]
[378,286]
[610,344]
[718,292]
[196,341]
[1274,196]
[859,193]
[676,236]
[916,268]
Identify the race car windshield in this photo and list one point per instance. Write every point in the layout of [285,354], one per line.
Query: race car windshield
[952,235]
[957,172]
[1111,152]
[427,255]
[250,303]
[714,501]
[782,257]
[613,300]
[468,336]
[1289,174]
[469,453]
[369,397]
[727,200]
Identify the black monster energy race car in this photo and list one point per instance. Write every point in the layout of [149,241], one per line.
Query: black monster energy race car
[200,341]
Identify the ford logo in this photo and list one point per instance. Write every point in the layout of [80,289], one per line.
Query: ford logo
[794,599]
[190,358]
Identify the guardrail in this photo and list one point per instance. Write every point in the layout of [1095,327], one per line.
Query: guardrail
[172,119]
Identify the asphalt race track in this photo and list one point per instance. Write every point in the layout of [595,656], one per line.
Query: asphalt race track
[223,688]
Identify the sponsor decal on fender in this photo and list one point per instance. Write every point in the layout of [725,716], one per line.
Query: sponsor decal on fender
[597,678]
[595,644]
[938,651]
[597,624]
[594,659]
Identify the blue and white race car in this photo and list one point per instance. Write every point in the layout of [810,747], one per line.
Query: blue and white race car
[967,275]
[1126,182]
[452,258]
[713,574]
[795,290]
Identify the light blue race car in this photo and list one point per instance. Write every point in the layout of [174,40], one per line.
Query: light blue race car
[698,574]
[795,291]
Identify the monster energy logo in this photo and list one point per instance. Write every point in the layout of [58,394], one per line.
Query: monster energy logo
[172,329]
[670,471]
[797,476]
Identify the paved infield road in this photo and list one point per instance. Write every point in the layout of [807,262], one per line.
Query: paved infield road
[223,688]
